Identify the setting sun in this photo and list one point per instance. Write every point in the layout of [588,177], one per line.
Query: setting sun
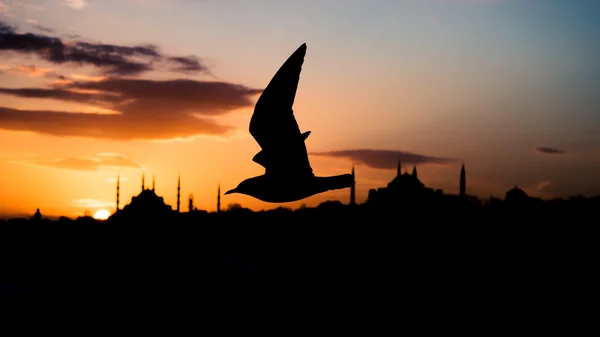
[102,214]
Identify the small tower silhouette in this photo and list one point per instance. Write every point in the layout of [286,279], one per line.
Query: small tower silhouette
[219,199]
[118,188]
[399,168]
[353,189]
[463,182]
[37,215]
[415,171]
[153,182]
[191,203]
[178,193]
[143,181]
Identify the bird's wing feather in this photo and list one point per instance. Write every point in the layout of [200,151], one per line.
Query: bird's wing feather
[259,158]
[273,124]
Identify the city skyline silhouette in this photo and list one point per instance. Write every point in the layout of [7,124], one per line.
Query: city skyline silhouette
[404,190]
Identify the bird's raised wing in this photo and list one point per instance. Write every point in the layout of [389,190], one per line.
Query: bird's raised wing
[273,124]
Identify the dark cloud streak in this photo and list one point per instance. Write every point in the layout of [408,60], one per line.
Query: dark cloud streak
[118,127]
[60,94]
[549,150]
[149,109]
[187,64]
[43,29]
[112,59]
[384,159]
[154,97]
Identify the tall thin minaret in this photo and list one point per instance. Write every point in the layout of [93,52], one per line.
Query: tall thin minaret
[353,189]
[399,168]
[415,171]
[463,182]
[118,188]
[143,181]
[178,193]
[153,182]
[219,199]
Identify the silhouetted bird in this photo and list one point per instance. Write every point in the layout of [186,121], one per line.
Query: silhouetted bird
[288,175]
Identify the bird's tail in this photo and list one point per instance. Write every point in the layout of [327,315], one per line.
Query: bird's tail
[336,182]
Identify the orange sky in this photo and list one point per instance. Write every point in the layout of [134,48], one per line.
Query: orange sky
[436,83]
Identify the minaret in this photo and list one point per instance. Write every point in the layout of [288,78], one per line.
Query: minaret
[178,193]
[353,189]
[399,168]
[118,187]
[463,182]
[414,171]
[153,182]
[191,204]
[219,199]
[143,181]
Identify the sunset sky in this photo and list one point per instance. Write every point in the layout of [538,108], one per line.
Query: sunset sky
[89,89]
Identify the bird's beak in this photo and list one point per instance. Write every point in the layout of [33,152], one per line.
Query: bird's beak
[230,191]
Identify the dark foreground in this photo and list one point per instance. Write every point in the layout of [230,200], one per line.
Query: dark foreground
[512,274]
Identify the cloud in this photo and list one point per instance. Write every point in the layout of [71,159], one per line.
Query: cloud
[106,125]
[75,4]
[187,64]
[72,36]
[4,8]
[116,107]
[549,150]
[543,185]
[145,109]
[60,94]
[42,28]
[86,164]
[31,71]
[384,159]
[111,59]
[92,203]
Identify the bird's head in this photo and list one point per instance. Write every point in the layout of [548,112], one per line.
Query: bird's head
[245,187]
[257,187]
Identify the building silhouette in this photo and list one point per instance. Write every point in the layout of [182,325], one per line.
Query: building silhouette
[191,203]
[353,189]
[178,193]
[146,204]
[404,189]
[516,197]
[407,190]
[463,182]
[118,192]
[37,216]
[219,199]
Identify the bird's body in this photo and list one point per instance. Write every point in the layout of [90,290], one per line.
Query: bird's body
[288,175]
[278,190]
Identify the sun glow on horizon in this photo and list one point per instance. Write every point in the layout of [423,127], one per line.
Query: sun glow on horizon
[101,214]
